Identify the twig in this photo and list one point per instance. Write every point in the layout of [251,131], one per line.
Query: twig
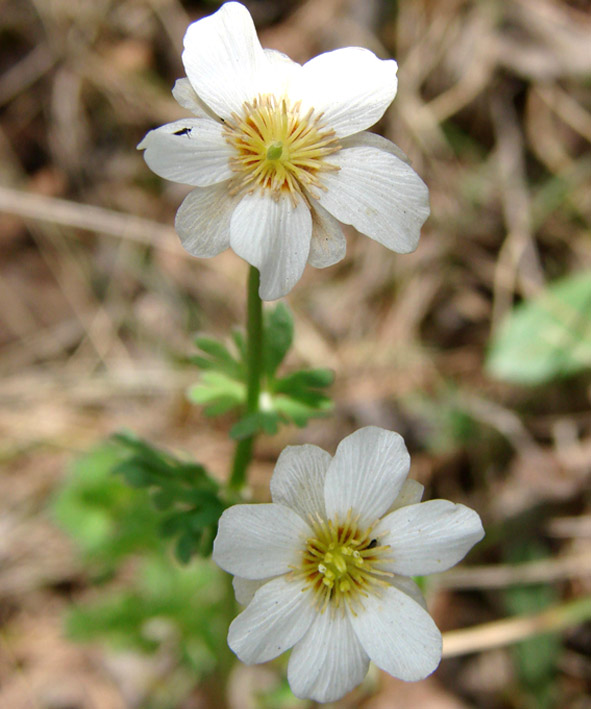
[503,575]
[518,258]
[26,72]
[85,216]
[513,630]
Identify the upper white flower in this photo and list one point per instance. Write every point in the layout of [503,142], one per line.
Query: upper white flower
[279,155]
[325,567]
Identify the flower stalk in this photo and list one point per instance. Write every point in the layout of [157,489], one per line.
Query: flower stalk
[254,362]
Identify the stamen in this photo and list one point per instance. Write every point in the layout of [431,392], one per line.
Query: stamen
[342,563]
[278,150]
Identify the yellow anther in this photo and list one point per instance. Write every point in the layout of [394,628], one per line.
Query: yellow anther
[337,565]
[279,150]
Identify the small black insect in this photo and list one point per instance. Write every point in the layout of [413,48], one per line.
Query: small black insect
[372,544]
[183,131]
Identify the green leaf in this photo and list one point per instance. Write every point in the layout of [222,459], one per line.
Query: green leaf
[171,526]
[183,608]
[240,343]
[182,489]
[135,475]
[106,518]
[548,337]
[305,379]
[536,658]
[278,337]
[214,349]
[218,393]
[163,499]
[298,412]
[261,421]
[186,546]
[220,359]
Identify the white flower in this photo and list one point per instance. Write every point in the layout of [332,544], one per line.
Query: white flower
[279,155]
[325,568]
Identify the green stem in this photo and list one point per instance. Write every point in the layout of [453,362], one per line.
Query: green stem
[254,364]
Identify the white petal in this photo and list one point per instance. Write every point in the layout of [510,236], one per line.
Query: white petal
[186,96]
[404,584]
[274,236]
[429,537]
[258,541]
[410,494]
[328,245]
[366,474]
[298,479]
[351,87]
[280,74]
[378,194]
[366,139]
[203,220]
[398,635]
[223,58]
[192,151]
[244,589]
[328,661]
[277,617]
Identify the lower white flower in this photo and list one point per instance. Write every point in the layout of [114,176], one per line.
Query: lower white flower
[325,568]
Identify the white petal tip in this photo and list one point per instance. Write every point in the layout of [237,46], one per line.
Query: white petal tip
[143,144]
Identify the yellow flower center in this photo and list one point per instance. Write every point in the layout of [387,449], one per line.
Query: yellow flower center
[278,149]
[343,563]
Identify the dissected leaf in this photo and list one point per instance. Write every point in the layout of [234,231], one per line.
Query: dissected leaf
[106,517]
[296,397]
[300,413]
[181,489]
[219,358]
[218,392]
[303,380]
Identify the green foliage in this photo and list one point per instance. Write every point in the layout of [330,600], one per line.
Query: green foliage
[107,519]
[535,659]
[548,337]
[163,604]
[182,490]
[278,334]
[296,397]
[280,696]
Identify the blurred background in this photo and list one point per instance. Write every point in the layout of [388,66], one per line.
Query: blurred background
[476,348]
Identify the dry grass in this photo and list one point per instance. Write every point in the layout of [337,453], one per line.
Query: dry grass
[98,300]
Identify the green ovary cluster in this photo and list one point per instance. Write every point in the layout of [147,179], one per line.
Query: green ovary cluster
[342,563]
[275,151]
[340,567]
